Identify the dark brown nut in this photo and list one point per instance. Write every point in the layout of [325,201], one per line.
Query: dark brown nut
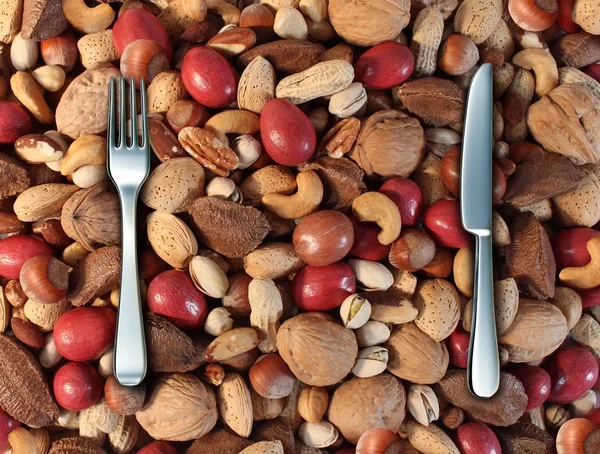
[9,223]
[14,176]
[340,139]
[288,56]
[577,49]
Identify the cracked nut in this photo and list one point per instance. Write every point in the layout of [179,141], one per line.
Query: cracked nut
[370,361]
[355,311]
[423,404]
[218,321]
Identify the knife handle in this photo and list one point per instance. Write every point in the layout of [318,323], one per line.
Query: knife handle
[483,368]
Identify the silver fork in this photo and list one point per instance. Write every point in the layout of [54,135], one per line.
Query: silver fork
[128,167]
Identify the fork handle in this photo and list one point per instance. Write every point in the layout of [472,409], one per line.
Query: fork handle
[483,366]
[130,344]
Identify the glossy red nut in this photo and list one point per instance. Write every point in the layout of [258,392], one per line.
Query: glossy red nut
[565,16]
[287,134]
[593,71]
[536,382]
[209,77]
[136,24]
[590,297]
[573,371]
[7,425]
[158,447]
[458,347]
[323,238]
[14,122]
[85,333]
[570,246]
[322,288]
[407,196]
[173,295]
[477,438]
[385,65]
[442,220]
[16,250]
[77,386]
[366,245]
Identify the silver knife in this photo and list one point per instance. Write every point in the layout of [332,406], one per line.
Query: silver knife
[483,369]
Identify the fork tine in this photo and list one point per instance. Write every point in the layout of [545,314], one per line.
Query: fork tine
[111,114]
[144,113]
[133,109]
[123,114]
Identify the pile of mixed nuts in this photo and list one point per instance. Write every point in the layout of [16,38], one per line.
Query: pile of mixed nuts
[307,280]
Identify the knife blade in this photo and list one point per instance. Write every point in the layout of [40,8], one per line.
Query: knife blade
[483,367]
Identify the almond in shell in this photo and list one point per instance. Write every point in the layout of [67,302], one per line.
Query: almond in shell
[171,239]
[429,438]
[235,404]
[97,48]
[273,260]
[42,201]
[257,85]
[439,308]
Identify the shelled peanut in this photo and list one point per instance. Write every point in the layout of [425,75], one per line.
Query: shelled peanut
[306,280]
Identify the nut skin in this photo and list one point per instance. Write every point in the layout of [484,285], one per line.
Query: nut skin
[533,15]
[271,377]
[44,279]
[186,112]
[60,51]
[287,134]
[158,447]
[458,55]
[442,220]
[570,247]
[14,122]
[458,347]
[236,298]
[375,441]
[321,288]
[135,24]
[536,382]
[323,238]
[385,65]
[77,386]
[71,333]
[441,265]
[366,245]
[413,250]
[209,77]
[573,371]
[477,438]
[593,71]
[18,249]
[173,295]
[407,196]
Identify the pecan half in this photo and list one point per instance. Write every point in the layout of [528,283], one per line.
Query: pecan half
[340,139]
[204,147]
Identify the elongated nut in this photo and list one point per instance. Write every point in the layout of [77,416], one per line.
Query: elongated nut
[588,276]
[266,308]
[556,416]
[302,203]
[355,311]
[377,207]
[50,77]
[88,20]
[234,121]
[313,403]
[22,442]
[232,343]
[218,321]
[318,435]
[370,275]
[29,93]
[349,101]
[543,65]
[427,36]
[23,53]
[372,333]
[423,404]
[371,361]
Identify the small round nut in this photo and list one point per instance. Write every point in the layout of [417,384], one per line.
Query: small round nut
[218,321]
[223,188]
[248,150]
[370,361]
[355,311]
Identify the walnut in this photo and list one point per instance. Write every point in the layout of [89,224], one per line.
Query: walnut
[364,403]
[390,143]
[368,23]
[24,392]
[92,217]
[13,175]
[229,228]
[567,121]
[179,408]
[95,275]
[317,350]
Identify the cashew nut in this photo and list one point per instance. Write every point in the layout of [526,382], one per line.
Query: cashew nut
[544,66]
[303,202]
[85,19]
[233,121]
[379,208]
[588,276]
[229,13]
[86,150]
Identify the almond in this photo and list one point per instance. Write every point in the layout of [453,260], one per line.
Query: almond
[235,404]
[439,308]
[171,239]
[264,447]
[429,438]
[506,304]
[273,260]
[579,207]
[27,333]
[43,201]
[166,88]
[257,85]
[44,316]
[477,19]
[273,179]
[97,48]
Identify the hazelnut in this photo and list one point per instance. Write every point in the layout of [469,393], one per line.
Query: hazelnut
[458,55]
[271,377]
[186,112]
[45,279]
[533,15]
[143,58]
[124,400]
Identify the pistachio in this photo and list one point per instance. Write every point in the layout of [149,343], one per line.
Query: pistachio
[355,311]
[423,404]
[218,321]
[370,275]
[208,277]
[349,101]
[370,361]
[372,333]
[581,407]
[224,188]
[556,416]
[318,434]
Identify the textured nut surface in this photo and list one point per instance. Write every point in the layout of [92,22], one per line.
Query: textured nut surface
[171,239]
[439,308]
[257,85]
[235,404]
[166,88]
[97,48]
[208,150]
[477,19]
[427,36]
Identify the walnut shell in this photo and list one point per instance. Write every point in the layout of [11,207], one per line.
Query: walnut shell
[92,217]
[368,23]
[362,404]
[416,357]
[538,329]
[179,408]
[390,143]
[318,351]
[567,121]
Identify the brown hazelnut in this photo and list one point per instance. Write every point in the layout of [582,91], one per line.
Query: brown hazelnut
[441,265]
[458,55]
[186,112]
[271,377]
[143,58]
[236,298]
[260,19]
[60,51]
[413,250]
[45,279]
[124,400]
